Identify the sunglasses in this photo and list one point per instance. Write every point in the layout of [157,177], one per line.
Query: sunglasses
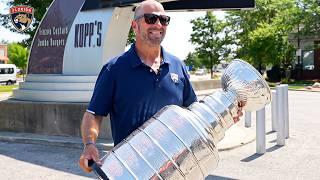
[152,19]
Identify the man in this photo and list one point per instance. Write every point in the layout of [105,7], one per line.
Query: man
[137,84]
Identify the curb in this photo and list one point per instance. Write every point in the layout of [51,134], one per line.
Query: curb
[304,90]
[4,95]
[60,141]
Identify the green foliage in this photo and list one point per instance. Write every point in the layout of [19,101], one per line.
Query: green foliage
[18,55]
[267,46]
[308,15]
[262,34]
[193,60]
[40,7]
[131,36]
[211,38]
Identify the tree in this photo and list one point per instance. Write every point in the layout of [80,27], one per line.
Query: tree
[261,35]
[211,39]
[267,46]
[40,7]
[193,60]
[131,36]
[18,55]
[309,16]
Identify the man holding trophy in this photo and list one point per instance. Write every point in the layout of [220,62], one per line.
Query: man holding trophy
[143,91]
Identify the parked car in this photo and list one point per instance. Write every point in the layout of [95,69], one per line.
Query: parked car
[309,67]
[200,72]
[8,73]
[221,70]
[220,67]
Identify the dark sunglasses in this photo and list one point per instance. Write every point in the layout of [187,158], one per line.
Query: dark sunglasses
[152,19]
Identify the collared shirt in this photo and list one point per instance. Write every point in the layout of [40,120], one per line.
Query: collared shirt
[131,92]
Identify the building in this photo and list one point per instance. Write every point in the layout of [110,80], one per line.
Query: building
[4,54]
[307,64]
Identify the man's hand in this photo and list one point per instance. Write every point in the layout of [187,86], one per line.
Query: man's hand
[239,113]
[89,152]
[89,131]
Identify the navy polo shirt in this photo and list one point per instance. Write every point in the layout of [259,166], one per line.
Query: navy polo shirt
[131,92]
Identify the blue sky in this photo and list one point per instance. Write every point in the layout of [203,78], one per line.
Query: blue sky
[176,41]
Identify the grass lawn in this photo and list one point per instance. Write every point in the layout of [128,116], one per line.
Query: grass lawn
[296,87]
[4,88]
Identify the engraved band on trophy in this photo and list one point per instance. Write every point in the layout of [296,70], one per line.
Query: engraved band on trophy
[180,143]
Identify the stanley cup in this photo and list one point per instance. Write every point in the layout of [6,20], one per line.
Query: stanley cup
[180,143]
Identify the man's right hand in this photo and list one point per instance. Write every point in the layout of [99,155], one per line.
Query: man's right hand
[89,152]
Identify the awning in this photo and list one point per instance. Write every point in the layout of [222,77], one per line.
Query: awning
[174,5]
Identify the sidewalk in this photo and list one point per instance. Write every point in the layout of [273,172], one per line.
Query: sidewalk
[299,158]
[4,95]
[61,141]
[205,92]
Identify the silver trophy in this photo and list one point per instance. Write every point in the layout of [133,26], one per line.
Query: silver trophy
[180,143]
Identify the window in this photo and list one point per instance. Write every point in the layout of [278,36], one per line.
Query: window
[308,60]
[1,52]
[6,71]
[11,71]
[2,71]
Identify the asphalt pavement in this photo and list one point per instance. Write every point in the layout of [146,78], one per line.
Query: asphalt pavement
[39,162]
[24,156]
[298,159]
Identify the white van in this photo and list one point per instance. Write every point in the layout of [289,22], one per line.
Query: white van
[8,73]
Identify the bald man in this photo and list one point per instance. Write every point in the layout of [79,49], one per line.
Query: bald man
[134,86]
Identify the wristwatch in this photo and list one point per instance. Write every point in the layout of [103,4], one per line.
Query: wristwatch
[88,143]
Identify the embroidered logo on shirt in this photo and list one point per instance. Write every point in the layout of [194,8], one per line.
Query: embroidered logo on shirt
[174,77]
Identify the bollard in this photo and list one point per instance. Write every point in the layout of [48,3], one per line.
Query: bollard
[274,111]
[280,116]
[286,110]
[247,122]
[260,131]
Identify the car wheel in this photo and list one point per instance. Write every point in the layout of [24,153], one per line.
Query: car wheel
[9,82]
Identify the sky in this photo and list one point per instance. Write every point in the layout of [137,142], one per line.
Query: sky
[176,40]
[6,34]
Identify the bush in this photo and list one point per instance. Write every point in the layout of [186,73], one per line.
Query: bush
[275,74]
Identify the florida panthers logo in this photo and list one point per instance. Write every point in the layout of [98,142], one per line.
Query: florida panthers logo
[21,17]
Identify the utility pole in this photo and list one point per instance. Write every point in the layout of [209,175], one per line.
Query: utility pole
[299,51]
[299,54]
